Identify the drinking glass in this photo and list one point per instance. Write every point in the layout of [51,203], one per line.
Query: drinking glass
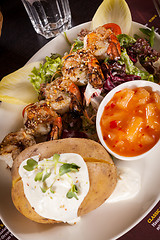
[49,17]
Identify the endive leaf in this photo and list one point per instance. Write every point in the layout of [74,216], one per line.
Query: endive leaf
[16,87]
[113,11]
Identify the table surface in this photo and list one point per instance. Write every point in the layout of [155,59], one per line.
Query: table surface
[19,42]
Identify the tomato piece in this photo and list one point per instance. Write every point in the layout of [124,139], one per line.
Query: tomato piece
[114,27]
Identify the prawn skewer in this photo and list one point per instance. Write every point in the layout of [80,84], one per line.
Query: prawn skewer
[62,95]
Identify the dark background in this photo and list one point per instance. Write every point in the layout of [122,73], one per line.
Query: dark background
[19,42]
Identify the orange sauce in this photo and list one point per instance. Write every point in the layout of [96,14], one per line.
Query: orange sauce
[130,122]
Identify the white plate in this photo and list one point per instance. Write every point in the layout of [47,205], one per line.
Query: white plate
[111,220]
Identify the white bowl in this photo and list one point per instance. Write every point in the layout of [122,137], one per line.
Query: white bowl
[132,85]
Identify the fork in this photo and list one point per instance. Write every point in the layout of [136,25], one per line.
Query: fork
[157,6]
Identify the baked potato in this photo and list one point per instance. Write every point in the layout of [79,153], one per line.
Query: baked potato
[102,173]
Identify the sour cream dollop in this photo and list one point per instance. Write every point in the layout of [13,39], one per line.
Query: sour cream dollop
[128,185]
[55,188]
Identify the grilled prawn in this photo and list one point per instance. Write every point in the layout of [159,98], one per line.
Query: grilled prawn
[63,95]
[40,119]
[82,67]
[14,143]
[103,43]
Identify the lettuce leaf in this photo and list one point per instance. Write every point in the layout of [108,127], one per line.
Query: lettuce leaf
[132,69]
[46,71]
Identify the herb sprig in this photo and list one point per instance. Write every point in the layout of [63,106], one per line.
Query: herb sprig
[31,164]
[68,167]
[72,192]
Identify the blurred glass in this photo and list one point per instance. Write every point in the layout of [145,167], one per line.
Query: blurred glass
[49,17]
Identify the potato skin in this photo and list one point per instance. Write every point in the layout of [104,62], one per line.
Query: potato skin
[102,173]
